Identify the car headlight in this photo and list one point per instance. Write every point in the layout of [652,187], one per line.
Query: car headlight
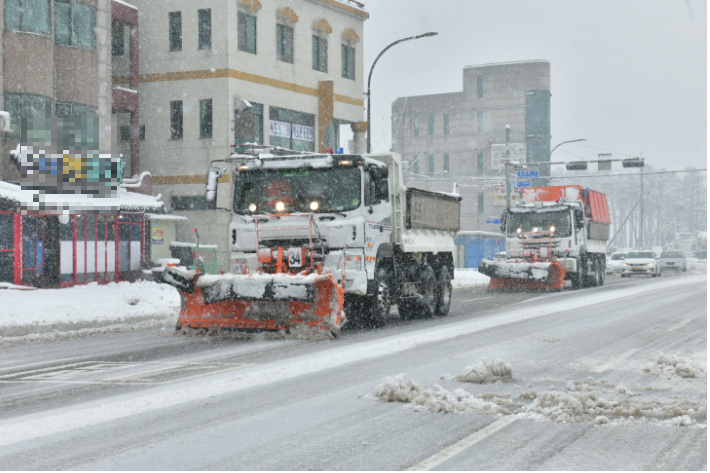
[650,265]
[625,264]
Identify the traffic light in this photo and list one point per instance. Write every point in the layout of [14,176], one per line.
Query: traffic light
[632,163]
[577,166]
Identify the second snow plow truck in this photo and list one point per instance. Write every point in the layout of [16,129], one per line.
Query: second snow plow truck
[556,233]
[316,238]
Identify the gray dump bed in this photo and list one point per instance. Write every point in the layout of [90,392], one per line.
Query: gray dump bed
[432,211]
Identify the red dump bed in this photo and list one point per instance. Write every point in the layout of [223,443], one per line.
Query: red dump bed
[595,206]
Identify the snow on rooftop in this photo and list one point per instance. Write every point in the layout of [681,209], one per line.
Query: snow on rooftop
[125,200]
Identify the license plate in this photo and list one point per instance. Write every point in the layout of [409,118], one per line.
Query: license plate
[670,263]
[636,268]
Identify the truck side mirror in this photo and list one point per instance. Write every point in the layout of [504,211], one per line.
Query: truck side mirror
[213,175]
[579,220]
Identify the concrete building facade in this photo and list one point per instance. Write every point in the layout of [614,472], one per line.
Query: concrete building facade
[218,73]
[460,137]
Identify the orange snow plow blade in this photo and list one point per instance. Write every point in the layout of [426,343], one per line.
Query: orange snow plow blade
[523,276]
[302,302]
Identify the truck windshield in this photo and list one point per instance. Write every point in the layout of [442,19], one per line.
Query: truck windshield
[540,222]
[299,190]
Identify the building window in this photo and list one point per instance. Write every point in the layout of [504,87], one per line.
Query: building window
[320,53]
[348,53]
[480,202]
[446,163]
[480,86]
[416,126]
[142,132]
[28,15]
[246,25]
[479,122]
[446,124]
[431,164]
[175,33]
[291,129]
[125,133]
[206,118]
[431,125]
[249,125]
[480,161]
[204,29]
[284,43]
[117,40]
[415,164]
[74,25]
[176,120]
[25,105]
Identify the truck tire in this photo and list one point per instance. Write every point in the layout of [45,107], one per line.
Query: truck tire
[595,278]
[378,305]
[443,293]
[579,280]
[427,304]
[602,272]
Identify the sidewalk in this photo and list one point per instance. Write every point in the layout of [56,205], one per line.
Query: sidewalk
[28,314]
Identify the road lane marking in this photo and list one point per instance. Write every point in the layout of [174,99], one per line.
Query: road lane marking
[444,455]
[477,299]
[615,360]
[679,325]
[30,427]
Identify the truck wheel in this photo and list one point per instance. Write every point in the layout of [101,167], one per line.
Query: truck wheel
[443,293]
[595,277]
[427,303]
[379,304]
[407,309]
[602,273]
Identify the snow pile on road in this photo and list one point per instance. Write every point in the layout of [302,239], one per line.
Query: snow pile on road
[586,401]
[435,399]
[669,366]
[469,278]
[486,371]
[84,310]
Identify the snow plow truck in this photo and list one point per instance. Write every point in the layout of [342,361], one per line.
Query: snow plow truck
[316,238]
[555,234]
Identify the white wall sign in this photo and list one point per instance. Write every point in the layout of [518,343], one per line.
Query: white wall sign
[517,153]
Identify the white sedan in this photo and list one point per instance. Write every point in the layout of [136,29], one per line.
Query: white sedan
[640,262]
[613,262]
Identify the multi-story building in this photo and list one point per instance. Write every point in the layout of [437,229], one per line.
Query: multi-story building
[217,73]
[56,59]
[460,137]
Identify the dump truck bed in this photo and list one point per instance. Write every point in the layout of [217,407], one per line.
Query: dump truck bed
[595,204]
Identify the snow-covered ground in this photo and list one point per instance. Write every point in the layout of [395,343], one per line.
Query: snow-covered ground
[28,314]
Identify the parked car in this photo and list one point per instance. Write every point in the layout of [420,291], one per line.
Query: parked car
[673,261]
[640,262]
[613,262]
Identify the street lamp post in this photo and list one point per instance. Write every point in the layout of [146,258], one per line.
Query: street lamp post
[369,77]
[565,142]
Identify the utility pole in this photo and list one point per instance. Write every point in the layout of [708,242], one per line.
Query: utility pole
[642,223]
[507,167]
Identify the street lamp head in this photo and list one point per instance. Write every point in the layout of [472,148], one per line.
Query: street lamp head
[431,33]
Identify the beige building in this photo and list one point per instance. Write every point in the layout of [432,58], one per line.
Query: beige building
[218,73]
[460,137]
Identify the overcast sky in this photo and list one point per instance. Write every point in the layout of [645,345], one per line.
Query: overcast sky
[630,76]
